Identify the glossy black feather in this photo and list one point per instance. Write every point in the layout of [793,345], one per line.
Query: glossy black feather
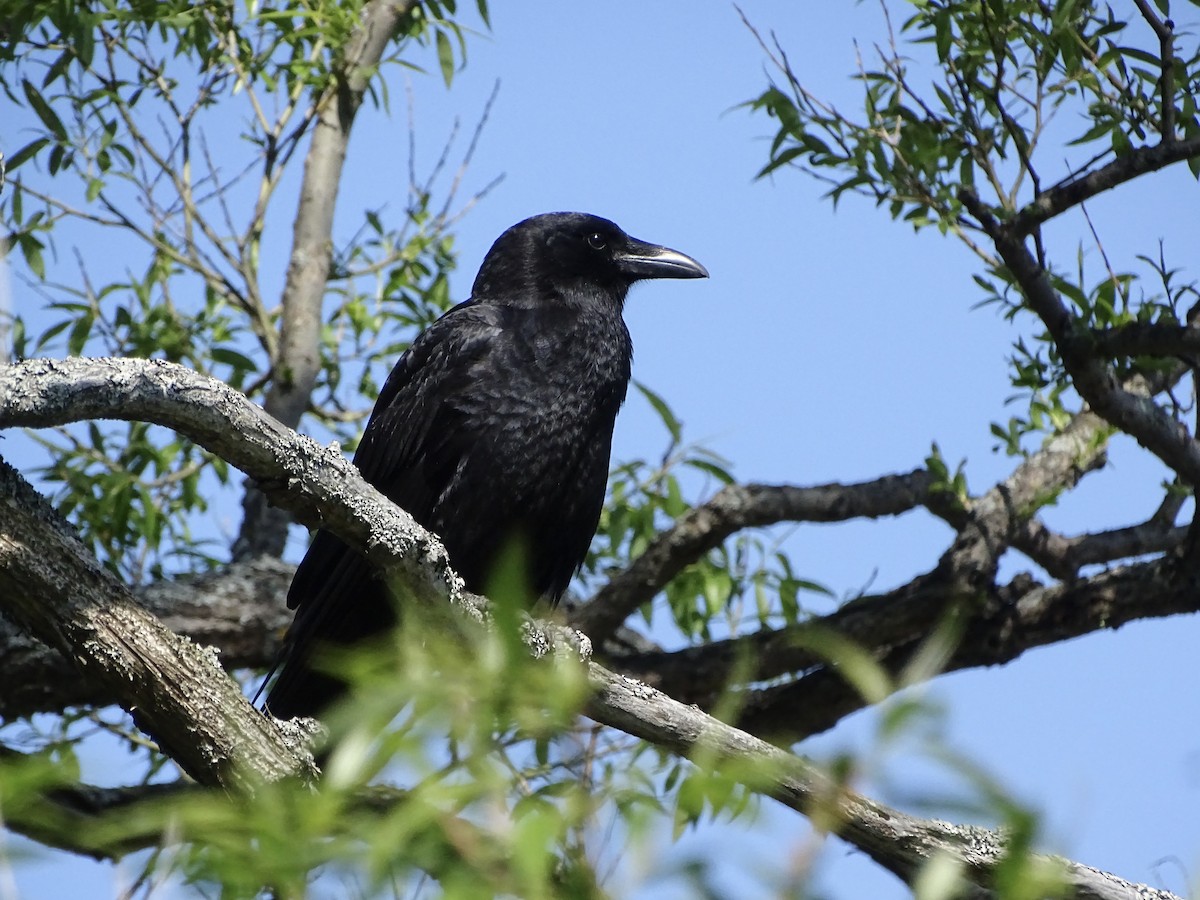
[495,426]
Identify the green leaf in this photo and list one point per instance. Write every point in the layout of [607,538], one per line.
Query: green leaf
[43,110]
[672,424]
[80,331]
[25,153]
[721,474]
[232,358]
[445,54]
[31,249]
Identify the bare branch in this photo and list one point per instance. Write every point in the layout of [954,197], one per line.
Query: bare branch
[733,508]
[1064,556]
[994,518]
[174,690]
[1058,199]
[1026,616]
[900,843]
[239,612]
[1165,32]
[1146,339]
[65,818]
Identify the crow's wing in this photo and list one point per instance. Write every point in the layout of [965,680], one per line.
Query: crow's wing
[412,447]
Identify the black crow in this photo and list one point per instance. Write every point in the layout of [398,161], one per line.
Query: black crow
[493,429]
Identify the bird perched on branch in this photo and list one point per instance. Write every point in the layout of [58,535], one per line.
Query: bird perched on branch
[494,427]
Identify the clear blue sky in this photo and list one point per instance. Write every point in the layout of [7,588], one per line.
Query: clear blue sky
[827,346]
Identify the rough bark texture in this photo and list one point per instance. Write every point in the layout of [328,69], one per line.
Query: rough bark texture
[175,691]
[239,612]
[317,484]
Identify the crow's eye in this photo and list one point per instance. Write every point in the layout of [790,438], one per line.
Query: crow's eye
[596,241]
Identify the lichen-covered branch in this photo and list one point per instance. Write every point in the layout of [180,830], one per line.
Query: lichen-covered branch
[900,843]
[176,692]
[238,611]
[317,484]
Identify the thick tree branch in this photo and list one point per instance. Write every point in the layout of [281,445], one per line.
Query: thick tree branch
[109,823]
[318,484]
[1146,339]
[54,393]
[175,691]
[1064,556]
[731,509]
[238,611]
[72,817]
[60,597]
[993,520]
[1026,616]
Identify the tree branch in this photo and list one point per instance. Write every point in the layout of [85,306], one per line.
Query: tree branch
[1146,339]
[299,361]
[731,509]
[317,484]
[1135,414]
[1164,31]
[900,843]
[64,600]
[1026,616]
[239,612]
[174,690]
[1061,197]
[993,520]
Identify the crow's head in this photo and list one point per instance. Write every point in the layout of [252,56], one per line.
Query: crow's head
[565,254]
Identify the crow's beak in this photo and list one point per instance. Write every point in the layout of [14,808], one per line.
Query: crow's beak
[641,260]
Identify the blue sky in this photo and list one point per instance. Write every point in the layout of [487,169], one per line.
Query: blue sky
[827,346]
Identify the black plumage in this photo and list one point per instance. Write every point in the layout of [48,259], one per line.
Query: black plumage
[494,427]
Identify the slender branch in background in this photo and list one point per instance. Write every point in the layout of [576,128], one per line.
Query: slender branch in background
[1055,466]
[1063,556]
[1135,414]
[109,823]
[263,529]
[1028,616]
[66,817]
[1165,32]
[1061,197]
